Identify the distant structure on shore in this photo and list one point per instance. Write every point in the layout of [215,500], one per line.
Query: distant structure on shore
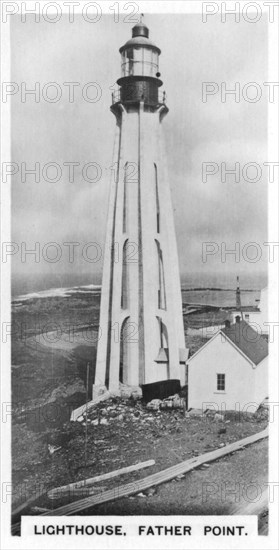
[238,298]
[257,317]
[141,337]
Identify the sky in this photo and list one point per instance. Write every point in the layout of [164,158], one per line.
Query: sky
[195,132]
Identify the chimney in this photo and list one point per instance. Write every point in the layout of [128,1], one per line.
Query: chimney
[227,323]
[237,319]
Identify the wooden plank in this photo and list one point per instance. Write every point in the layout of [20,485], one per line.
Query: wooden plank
[154,479]
[85,483]
[39,510]
[83,492]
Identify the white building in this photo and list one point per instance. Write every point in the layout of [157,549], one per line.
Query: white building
[230,370]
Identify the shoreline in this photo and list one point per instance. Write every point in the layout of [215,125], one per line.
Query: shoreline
[65,292]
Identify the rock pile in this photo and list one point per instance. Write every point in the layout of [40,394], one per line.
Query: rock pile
[130,409]
[116,409]
[172,402]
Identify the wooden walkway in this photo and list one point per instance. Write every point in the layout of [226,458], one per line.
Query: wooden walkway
[154,479]
[150,481]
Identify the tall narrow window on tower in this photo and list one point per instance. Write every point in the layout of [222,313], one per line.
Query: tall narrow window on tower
[124,351]
[163,334]
[157,199]
[161,279]
[125,199]
[125,277]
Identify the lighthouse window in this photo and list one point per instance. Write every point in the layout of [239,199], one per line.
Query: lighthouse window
[157,200]
[163,334]
[161,279]
[124,351]
[139,61]
[150,62]
[125,277]
[155,59]
[129,64]
[125,199]
[148,56]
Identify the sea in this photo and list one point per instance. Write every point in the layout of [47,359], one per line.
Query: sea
[210,289]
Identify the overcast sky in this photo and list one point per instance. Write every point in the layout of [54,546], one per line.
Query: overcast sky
[195,132]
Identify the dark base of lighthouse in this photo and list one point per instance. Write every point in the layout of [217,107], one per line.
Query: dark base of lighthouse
[160,390]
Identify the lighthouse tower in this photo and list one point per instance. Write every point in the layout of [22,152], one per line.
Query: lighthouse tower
[141,336]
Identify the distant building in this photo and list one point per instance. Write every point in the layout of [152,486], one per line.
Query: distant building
[230,369]
[258,319]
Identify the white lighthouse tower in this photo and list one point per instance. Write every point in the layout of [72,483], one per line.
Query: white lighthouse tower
[141,336]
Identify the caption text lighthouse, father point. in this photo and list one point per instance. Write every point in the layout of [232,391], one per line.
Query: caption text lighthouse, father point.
[141,336]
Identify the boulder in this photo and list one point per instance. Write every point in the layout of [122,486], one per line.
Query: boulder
[178,402]
[195,412]
[167,404]
[154,405]
[130,391]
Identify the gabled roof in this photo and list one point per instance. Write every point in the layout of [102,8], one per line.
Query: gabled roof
[247,340]
[243,338]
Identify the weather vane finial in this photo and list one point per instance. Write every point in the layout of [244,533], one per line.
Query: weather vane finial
[141,17]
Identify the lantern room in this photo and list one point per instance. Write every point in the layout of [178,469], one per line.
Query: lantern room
[140,56]
[140,77]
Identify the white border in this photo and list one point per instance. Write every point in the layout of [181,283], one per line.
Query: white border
[270,542]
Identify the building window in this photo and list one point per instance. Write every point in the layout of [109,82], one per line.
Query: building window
[220,382]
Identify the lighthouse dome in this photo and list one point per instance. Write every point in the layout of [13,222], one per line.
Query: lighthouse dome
[140,41]
[140,29]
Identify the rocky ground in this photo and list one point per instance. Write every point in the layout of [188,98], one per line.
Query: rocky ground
[119,433]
